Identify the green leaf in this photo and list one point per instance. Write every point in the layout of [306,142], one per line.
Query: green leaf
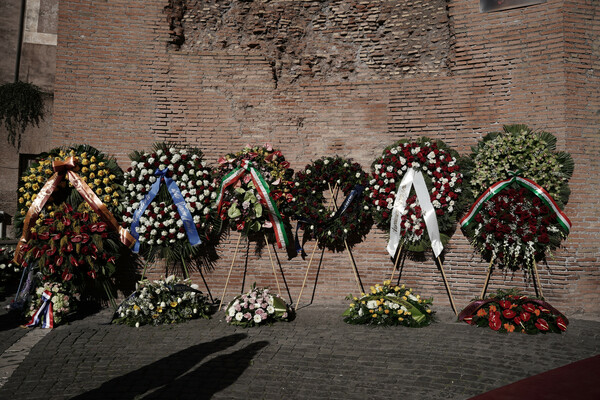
[240,190]
[258,210]
[233,212]
[249,196]
[255,226]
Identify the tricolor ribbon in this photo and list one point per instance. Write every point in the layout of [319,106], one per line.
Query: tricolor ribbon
[411,178]
[264,195]
[62,168]
[178,200]
[43,315]
[530,185]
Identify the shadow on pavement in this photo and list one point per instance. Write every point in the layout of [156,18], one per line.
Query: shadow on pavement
[211,377]
[166,372]
[10,320]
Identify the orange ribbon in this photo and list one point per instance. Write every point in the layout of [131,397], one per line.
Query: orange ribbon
[62,168]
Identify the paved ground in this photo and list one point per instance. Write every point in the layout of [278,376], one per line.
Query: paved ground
[317,356]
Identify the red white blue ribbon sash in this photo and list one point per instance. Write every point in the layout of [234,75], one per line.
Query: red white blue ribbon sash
[44,315]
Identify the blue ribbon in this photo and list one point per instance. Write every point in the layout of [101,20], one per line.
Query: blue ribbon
[178,200]
[356,192]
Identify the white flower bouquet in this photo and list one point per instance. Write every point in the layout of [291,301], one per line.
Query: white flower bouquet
[257,307]
[63,302]
[166,301]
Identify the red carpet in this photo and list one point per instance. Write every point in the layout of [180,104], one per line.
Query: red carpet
[579,380]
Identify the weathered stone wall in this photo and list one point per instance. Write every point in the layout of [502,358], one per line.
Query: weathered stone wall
[327,39]
[329,77]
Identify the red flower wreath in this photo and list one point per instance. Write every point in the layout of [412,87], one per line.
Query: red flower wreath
[444,179]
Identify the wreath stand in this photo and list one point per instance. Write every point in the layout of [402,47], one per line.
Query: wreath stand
[333,202]
[233,262]
[441,268]
[536,280]
[186,275]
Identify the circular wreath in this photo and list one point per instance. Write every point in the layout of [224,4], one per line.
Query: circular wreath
[322,176]
[161,229]
[241,206]
[518,148]
[100,172]
[443,176]
[515,227]
[69,243]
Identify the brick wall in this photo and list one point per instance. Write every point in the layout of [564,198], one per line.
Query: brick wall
[120,87]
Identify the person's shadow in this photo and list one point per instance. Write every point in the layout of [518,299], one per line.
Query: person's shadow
[175,372]
[211,377]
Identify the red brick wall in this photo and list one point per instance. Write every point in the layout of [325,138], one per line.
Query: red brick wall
[119,87]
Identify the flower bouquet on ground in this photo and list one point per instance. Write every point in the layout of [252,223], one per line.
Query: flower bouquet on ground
[509,311]
[255,197]
[389,305]
[63,301]
[167,301]
[257,307]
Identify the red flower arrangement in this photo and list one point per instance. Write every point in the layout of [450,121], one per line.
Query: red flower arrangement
[515,228]
[71,241]
[71,246]
[444,179]
[508,311]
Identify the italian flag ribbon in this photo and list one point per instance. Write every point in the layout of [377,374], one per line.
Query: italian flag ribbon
[264,194]
[528,184]
[44,315]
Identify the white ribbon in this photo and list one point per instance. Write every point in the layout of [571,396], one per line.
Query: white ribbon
[414,177]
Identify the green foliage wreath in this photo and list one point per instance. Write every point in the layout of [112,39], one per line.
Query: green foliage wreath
[316,180]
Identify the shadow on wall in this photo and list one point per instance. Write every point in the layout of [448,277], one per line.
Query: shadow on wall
[181,375]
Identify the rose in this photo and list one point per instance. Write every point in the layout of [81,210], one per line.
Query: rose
[443,178]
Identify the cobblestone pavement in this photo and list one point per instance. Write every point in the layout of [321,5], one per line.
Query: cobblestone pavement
[316,356]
